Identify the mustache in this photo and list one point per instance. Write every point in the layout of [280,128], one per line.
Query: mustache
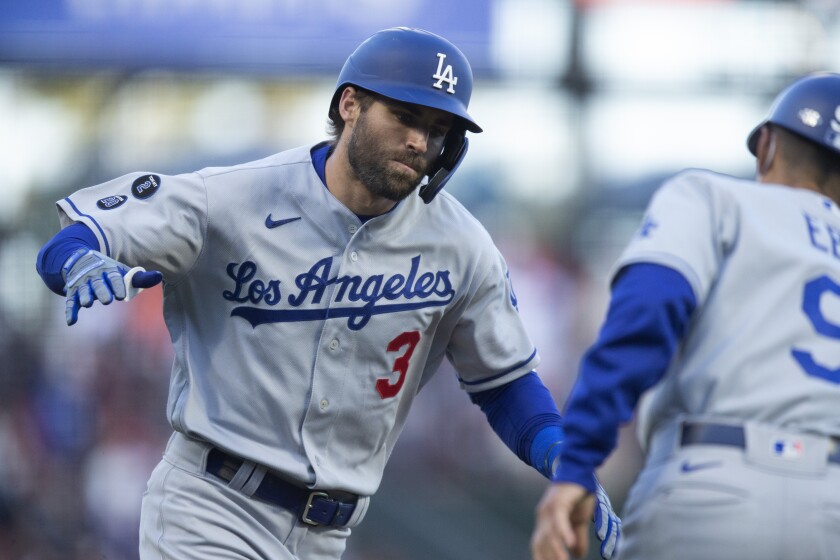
[412,160]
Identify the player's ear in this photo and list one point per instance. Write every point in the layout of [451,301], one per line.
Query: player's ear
[765,151]
[349,104]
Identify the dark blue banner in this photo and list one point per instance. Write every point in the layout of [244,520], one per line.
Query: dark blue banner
[257,36]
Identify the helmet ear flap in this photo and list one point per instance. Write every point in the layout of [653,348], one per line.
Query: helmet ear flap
[454,149]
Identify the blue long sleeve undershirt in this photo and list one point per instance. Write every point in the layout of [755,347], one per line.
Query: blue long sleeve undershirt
[57,250]
[649,311]
[524,415]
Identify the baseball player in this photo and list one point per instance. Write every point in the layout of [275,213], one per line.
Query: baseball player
[310,296]
[726,307]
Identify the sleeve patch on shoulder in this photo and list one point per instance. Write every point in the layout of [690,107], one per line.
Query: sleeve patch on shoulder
[145,186]
[111,202]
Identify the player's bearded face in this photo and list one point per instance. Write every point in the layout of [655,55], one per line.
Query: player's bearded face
[371,157]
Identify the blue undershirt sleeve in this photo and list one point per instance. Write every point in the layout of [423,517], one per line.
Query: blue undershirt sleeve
[524,415]
[649,312]
[57,250]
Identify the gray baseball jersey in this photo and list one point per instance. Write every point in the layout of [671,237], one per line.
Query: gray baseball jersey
[760,259]
[302,334]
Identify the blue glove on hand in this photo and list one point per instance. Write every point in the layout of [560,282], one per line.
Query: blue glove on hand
[607,522]
[89,276]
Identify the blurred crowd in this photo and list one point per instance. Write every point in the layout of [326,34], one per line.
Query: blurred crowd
[81,426]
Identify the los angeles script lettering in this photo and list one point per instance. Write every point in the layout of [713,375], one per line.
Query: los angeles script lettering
[312,285]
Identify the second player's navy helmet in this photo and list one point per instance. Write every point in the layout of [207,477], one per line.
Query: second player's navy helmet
[809,107]
[413,66]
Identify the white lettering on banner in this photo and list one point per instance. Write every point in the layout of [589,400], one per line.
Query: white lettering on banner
[444,75]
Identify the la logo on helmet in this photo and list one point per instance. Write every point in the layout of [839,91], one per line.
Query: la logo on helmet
[444,75]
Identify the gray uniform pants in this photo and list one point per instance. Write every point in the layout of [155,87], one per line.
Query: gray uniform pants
[776,498]
[189,515]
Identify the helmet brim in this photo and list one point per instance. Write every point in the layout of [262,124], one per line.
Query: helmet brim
[399,92]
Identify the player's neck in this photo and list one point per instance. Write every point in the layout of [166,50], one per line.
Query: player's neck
[343,184]
[802,182]
[781,176]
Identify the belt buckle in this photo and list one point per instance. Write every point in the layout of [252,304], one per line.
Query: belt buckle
[305,515]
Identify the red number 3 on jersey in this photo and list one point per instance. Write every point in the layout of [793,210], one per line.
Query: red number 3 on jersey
[384,387]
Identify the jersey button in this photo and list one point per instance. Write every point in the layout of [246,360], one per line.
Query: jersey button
[334,344]
[324,404]
[354,256]
[352,228]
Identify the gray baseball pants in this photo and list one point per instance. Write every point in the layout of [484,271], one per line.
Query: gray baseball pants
[188,514]
[777,497]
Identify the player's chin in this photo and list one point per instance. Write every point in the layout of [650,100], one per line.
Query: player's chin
[397,189]
[401,183]
[398,194]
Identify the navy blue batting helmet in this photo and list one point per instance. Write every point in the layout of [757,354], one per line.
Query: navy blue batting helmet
[810,108]
[413,66]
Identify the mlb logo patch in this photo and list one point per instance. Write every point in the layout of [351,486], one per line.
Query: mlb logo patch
[788,448]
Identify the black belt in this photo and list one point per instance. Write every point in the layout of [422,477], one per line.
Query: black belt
[699,433]
[314,507]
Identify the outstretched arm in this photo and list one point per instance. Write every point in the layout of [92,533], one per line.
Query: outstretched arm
[648,314]
[71,265]
[523,414]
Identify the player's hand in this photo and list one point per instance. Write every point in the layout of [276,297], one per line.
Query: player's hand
[607,523]
[90,276]
[562,524]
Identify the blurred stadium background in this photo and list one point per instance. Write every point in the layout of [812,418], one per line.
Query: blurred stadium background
[586,104]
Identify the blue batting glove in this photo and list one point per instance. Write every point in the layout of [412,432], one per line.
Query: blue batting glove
[89,276]
[607,523]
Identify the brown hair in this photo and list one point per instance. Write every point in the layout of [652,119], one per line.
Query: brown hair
[335,123]
[820,164]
